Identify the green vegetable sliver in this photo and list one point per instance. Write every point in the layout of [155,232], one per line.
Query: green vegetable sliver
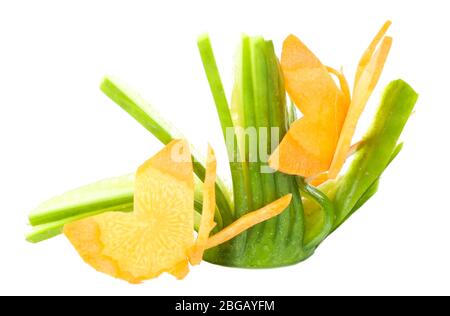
[237,168]
[52,229]
[380,142]
[373,189]
[109,194]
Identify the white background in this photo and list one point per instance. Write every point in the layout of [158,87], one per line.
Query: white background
[58,131]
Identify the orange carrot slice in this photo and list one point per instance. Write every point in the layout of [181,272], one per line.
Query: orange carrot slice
[367,76]
[155,238]
[308,147]
[249,220]
[207,223]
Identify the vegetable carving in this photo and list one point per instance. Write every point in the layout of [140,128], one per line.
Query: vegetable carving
[286,197]
[321,140]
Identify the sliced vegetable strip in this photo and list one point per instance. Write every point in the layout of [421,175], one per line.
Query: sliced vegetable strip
[368,74]
[367,56]
[379,147]
[249,220]
[52,229]
[113,193]
[207,223]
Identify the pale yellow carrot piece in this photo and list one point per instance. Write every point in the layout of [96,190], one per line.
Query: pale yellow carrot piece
[156,237]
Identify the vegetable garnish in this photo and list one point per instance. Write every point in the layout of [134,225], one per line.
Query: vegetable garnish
[158,235]
[137,226]
[317,145]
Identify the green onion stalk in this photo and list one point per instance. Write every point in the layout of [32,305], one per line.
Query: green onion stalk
[253,121]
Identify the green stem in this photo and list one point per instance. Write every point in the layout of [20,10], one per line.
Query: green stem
[238,167]
[325,226]
[110,194]
[238,170]
[372,190]
[380,142]
[52,229]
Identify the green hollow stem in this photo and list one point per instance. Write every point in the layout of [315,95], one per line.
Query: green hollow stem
[379,147]
[150,119]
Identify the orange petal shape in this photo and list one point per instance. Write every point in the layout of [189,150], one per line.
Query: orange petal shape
[156,237]
[367,76]
[308,147]
[207,223]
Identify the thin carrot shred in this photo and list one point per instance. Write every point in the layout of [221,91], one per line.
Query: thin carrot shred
[367,55]
[367,77]
[207,223]
[249,220]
